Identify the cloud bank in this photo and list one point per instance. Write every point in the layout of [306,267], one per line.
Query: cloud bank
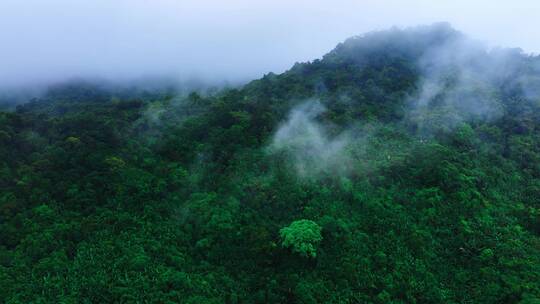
[237,40]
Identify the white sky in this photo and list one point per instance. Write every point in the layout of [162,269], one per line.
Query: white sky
[50,40]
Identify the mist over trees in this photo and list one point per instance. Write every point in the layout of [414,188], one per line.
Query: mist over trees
[401,167]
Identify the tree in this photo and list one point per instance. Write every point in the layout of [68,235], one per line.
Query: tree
[302,237]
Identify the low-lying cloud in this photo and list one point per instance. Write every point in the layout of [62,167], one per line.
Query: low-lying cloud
[50,41]
[308,145]
[462,80]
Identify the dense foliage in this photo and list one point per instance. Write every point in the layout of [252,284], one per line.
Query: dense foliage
[166,198]
[302,236]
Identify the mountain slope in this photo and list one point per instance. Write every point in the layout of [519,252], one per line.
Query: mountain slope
[402,167]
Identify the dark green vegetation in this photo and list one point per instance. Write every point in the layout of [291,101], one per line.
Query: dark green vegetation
[159,198]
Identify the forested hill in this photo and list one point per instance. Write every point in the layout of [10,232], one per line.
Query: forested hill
[401,167]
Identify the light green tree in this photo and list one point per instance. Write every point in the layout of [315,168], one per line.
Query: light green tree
[302,236]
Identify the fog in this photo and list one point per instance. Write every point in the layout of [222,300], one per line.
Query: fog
[308,143]
[48,41]
[463,80]
[460,81]
[458,84]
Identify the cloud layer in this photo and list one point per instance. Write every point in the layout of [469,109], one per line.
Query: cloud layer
[47,41]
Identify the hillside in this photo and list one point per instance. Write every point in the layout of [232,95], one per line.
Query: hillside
[401,167]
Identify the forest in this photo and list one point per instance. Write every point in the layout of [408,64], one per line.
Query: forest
[401,167]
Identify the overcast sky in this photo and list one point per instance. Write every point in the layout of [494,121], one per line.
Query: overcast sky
[50,40]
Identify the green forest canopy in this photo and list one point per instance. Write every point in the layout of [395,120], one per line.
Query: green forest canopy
[389,171]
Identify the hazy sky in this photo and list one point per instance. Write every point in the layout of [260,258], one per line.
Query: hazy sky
[50,40]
